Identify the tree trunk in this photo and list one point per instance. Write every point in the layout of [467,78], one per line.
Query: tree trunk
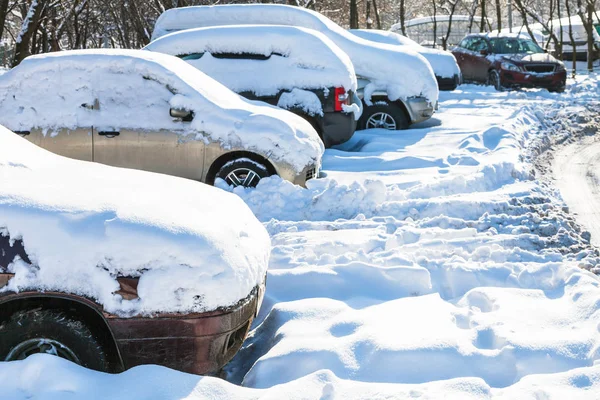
[499,15]
[369,20]
[30,23]
[353,15]
[402,17]
[574,69]
[434,22]
[483,17]
[3,15]
[377,19]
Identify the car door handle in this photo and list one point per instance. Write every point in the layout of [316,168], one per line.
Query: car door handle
[22,133]
[109,134]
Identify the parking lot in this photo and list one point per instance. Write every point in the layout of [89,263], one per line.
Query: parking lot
[432,254]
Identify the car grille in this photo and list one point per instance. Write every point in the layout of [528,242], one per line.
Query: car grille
[540,68]
[312,173]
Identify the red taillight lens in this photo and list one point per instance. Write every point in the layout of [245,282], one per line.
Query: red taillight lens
[341,97]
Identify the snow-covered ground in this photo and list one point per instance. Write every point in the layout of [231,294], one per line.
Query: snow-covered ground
[429,263]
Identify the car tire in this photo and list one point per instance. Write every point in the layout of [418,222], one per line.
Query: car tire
[51,332]
[494,80]
[242,172]
[386,116]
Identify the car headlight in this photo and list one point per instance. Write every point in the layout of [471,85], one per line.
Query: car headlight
[510,67]
[561,67]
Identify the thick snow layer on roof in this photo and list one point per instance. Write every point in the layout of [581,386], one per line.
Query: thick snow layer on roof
[443,63]
[403,73]
[297,57]
[194,247]
[135,90]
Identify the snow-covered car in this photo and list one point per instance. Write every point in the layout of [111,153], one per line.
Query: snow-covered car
[151,111]
[509,60]
[443,63]
[398,86]
[294,68]
[112,267]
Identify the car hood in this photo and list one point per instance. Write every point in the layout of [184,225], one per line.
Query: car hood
[525,58]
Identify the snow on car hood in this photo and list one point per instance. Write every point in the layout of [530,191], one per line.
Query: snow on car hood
[524,57]
[135,90]
[403,73]
[297,57]
[194,247]
[443,62]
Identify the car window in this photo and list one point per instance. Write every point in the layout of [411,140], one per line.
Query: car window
[233,56]
[477,45]
[193,56]
[465,43]
[514,46]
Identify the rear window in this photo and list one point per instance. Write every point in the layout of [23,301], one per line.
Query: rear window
[233,56]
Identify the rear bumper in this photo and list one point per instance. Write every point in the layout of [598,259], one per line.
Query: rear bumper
[195,343]
[554,81]
[448,83]
[338,127]
[419,109]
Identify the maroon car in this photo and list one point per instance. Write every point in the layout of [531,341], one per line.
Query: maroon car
[509,61]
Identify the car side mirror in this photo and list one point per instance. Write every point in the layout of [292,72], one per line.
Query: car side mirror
[184,115]
[484,52]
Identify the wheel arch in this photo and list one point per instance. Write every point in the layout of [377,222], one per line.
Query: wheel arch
[218,163]
[88,314]
[398,103]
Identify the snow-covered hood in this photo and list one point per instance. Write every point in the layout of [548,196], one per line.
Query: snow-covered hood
[136,89]
[297,57]
[403,73]
[527,58]
[195,247]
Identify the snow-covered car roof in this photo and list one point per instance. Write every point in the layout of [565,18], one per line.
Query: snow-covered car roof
[443,63]
[402,73]
[136,89]
[294,57]
[194,247]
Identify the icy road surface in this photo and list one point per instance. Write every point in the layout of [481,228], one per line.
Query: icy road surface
[577,172]
[429,263]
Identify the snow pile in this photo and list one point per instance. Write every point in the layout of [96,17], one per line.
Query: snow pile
[430,256]
[194,247]
[296,58]
[402,73]
[443,63]
[135,90]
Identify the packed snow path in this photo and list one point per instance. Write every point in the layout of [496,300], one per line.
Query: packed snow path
[429,263]
[577,172]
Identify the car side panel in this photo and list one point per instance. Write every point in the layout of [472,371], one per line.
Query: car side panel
[161,151]
[72,143]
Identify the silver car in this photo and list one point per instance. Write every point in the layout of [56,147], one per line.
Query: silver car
[150,111]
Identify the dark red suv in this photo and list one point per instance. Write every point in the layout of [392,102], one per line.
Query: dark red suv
[509,61]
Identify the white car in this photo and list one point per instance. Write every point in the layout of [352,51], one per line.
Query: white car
[112,268]
[150,111]
[398,86]
[294,68]
[443,63]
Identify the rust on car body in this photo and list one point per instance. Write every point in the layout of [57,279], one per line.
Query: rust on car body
[199,343]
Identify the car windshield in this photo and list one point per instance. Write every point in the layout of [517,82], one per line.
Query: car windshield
[514,46]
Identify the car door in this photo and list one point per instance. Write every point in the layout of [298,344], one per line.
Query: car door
[480,63]
[74,139]
[134,129]
[459,54]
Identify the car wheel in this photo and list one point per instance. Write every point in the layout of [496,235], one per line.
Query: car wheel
[242,172]
[385,116]
[494,80]
[51,332]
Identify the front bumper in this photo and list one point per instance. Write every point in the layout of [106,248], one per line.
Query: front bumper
[199,343]
[419,109]
[514,79]
[448,83]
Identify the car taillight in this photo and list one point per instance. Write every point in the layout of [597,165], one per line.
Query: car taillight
[341,97]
